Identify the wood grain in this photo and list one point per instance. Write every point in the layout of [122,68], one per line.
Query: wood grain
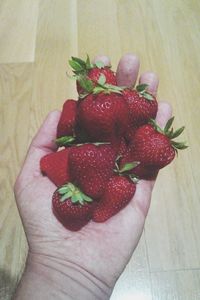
[37,38]
[18,30]
[56,42]
[15,95]
[183,284]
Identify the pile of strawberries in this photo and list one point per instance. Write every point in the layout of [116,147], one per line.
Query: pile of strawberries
[107,141]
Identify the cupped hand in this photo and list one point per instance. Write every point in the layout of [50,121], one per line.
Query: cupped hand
[99,251]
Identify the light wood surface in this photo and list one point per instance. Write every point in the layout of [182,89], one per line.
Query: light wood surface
[36,40]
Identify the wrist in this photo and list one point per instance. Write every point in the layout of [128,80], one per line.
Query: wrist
[57,279]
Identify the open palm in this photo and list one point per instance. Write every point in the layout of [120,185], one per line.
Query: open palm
[101,250]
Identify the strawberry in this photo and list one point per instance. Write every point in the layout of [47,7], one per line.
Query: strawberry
[130,133]
[104,114]
[153,147]
[140,170]
[67,122]
[55,166]
[72,207]
[85,69]
[118,193]
[122,147]
[142,107]
[90,167]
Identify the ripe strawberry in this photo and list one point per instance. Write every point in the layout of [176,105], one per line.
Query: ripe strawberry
[85,69]
[95,73]
[71,207]
[130,133]
[142,107]
[90,167]
[140,170]
[153,147]
[119,191]
[67,122]
[55,166]
[104,114]
[122,147]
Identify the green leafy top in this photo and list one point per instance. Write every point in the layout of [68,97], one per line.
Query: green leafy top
[70,191]
[142,90]
[65,140]
[81,67]
[170,133]
[99,87]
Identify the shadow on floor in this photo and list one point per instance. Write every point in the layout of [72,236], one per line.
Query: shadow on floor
[7,285]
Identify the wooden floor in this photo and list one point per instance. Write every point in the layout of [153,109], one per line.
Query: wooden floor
[36,40]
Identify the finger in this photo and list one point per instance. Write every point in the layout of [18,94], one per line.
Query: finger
[152,80]
[42,144]
[164,113]
[127,70]
[104,59]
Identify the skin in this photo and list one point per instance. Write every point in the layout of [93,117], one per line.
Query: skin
[86,264]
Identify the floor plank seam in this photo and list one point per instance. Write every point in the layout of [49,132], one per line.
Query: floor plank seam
[174,270]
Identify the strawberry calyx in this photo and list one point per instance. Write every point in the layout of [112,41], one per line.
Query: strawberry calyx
[170,133]
[99,87]
[106,88]
[142,90]
[65,140]
[81,67]
[70,191]
[123,171]
[71,141]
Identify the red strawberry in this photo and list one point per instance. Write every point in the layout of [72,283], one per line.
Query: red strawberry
[153,147]
[67,122]
[85,69]
[130,133]
[142,107]
[122,147]
[145,172]
[140,170]
[103,116]
[119,191]
[90,167]
[71,207]
[55,166]
[95,73]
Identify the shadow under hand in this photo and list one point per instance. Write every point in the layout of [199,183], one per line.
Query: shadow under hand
[7,284]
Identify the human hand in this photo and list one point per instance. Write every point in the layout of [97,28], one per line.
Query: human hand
[89,261]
